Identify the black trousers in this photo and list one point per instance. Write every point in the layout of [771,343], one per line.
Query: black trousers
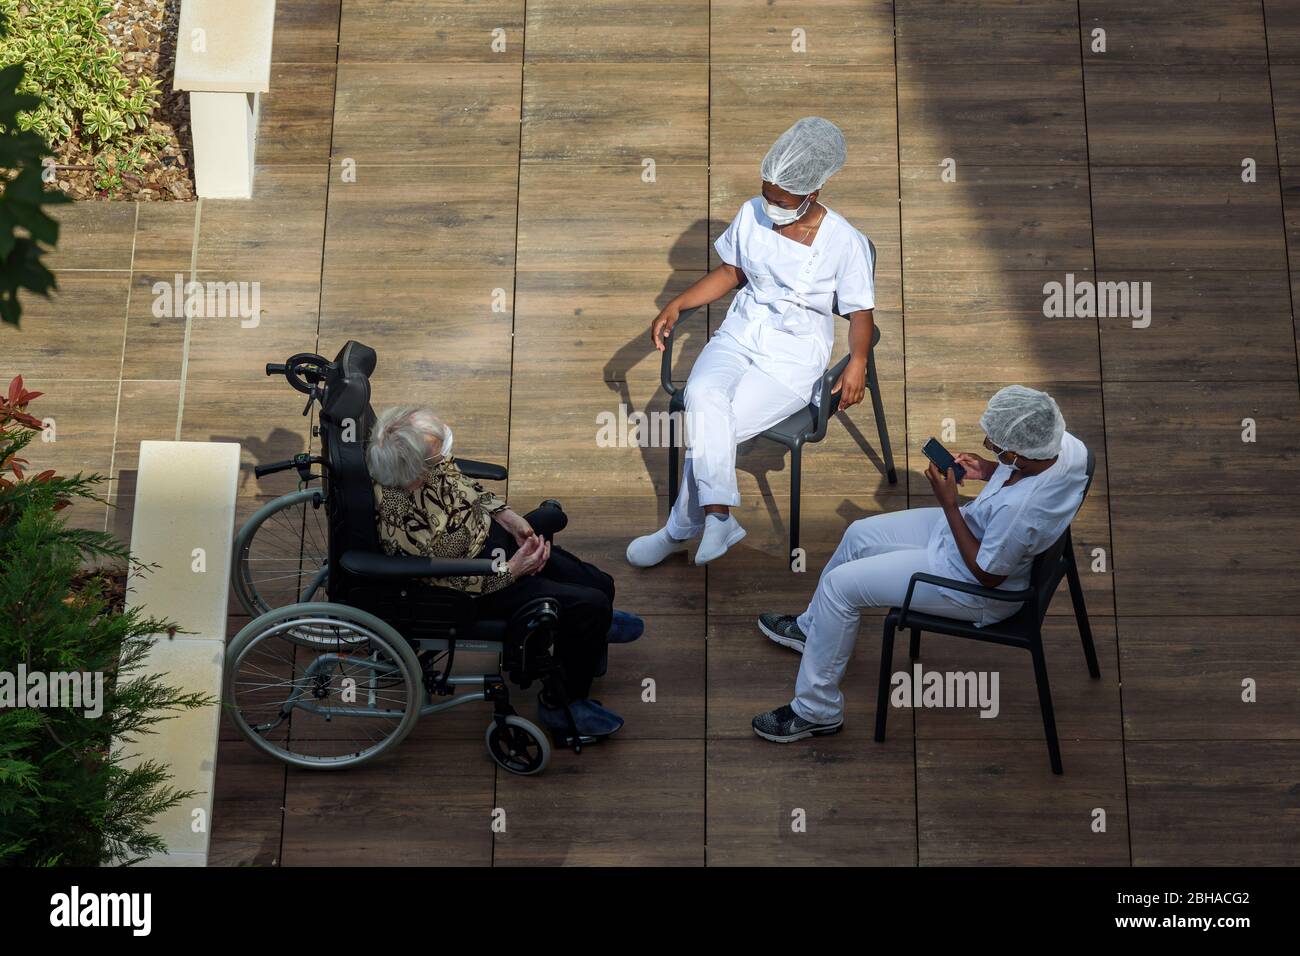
[584,592]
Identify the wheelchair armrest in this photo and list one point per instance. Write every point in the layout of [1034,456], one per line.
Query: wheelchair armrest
[372,565]
[481,469]
[966,587]
[666,367]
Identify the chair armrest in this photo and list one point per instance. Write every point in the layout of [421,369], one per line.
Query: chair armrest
[481,469]
[978,590]
[371,565]
[666,367]
[829,402]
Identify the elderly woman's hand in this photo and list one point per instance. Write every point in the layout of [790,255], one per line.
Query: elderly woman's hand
[531,557]
[519,529]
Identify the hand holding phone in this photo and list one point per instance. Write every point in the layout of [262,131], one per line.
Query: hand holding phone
[943,459]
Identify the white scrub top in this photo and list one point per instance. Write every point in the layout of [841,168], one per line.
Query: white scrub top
[784,312]
[1013,525]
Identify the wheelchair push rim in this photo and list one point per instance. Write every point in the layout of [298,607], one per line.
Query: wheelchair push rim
[282,554]
[316,706]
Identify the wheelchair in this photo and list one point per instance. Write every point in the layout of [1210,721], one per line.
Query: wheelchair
[348,647]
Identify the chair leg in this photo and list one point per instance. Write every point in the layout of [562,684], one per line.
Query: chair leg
[1081,611]
[914,649]
[796,469]
[882,429]
[672,462]
[886,668]
[1045,703]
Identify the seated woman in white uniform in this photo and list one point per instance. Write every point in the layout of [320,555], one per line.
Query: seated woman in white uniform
[797,260]
[1034,487]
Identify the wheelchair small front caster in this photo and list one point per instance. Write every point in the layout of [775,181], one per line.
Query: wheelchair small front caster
[518,745]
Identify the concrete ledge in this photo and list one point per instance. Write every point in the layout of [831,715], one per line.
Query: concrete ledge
[224,46]
[223,59]
[184,523]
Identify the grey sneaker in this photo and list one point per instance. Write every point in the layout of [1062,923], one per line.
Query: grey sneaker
[784,629]
[783,726]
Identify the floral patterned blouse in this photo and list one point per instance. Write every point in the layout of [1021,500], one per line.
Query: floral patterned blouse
[447,517]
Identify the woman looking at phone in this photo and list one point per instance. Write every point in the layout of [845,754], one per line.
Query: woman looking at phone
[1035,485]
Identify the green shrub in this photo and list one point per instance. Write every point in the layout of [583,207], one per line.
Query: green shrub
[72,66]
[69,794]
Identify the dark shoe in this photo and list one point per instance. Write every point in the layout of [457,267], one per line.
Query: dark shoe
[625,628]
[783,629]
[784,726]
[590,718]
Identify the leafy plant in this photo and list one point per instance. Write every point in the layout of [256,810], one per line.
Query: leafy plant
[25,229]
[73,67]
[68,793]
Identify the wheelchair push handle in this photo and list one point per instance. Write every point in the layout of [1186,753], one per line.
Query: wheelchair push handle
[303,371]
[301,461]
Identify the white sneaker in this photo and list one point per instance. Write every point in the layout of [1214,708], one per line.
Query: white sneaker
[649,549]
[719,534]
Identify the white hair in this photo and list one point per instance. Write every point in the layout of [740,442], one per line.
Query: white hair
[401,442]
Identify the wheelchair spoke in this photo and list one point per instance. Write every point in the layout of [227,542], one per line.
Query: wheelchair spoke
[332,700]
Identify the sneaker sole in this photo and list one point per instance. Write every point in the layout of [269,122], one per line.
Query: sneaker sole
[776,638]
[731,541]
[791,738]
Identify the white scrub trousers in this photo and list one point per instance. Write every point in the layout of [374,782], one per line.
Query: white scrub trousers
[871,568]
[732,394]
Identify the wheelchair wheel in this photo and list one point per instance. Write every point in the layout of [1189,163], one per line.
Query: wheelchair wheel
[281,553]
[322,706]
[520,747]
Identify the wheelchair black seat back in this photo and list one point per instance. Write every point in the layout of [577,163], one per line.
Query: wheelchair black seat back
[330,684]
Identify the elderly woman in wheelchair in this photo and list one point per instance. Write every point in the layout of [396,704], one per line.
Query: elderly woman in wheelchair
[428,508]
[385,569]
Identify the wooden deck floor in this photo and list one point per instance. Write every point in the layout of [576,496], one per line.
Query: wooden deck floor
[525,171]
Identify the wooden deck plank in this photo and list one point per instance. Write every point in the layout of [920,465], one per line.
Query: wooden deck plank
[573,114]
[440,113]
[1183,678]
[1205,325]
[983,115]
[1201,115]
[1198,430]
[1161,217]
[621,803]
[432,31]
[996,218]
[1220,555]
[1213,803]
[1044,32]
[854,803]
[998,803]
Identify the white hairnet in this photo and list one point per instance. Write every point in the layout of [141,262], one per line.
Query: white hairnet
[1025,421]
[805,156]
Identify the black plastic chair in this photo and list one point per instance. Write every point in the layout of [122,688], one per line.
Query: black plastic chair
[805,427]
[1024,629]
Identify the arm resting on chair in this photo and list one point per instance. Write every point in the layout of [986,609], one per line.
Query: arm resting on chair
[666,367]
[965,586]
[372,565]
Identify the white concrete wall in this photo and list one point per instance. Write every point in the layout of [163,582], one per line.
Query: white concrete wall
[185,503]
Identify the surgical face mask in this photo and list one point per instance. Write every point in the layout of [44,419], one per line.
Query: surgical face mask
[445,453]
[999,452]
[783,217]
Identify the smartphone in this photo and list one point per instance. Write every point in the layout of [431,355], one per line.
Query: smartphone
[941,457]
